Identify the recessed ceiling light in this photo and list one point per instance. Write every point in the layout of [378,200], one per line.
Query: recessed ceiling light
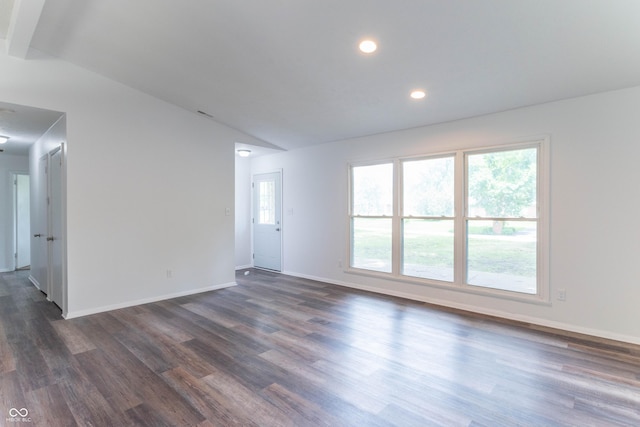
[244,153]
[367,46]
[3,139]
[418,94]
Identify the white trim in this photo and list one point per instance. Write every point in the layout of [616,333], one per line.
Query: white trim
[35,282]
[243,267]
[63,214]
[479,310]
[80,313]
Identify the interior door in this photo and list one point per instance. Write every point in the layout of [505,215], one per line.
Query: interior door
[55,238]
[267,221]
[40,230]
[23,222]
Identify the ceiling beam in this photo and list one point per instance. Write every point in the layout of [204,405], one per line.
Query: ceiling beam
[24,20]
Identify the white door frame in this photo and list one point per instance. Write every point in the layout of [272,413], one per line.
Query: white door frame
[50,237]
[279,226]
[19,244]
[57,232]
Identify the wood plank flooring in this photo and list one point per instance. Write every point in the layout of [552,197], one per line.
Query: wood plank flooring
[283,351]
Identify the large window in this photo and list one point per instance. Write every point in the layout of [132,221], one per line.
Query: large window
[501,222]
[472,219]
[428,218]
[371,219]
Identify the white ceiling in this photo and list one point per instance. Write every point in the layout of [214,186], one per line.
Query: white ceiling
[24,125]
[5,16]
[288,71]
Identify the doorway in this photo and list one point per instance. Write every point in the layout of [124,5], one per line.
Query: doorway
[267,221]
[22,221]
[39,134]
[48,263]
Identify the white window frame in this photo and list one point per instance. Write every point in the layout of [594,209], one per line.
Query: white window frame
[402,215]
[542,296]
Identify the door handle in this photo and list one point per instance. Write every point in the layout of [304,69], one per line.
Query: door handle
[277,229]
[37,235]
[50,239]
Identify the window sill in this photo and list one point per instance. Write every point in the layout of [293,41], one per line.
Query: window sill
[537,299]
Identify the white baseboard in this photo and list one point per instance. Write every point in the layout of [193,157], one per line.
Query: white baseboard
[481,310]
[35,282]
[87,312]
[243,267]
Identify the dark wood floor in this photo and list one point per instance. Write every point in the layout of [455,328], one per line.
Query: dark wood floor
[282,351]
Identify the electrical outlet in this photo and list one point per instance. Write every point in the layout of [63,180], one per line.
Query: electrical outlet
[562,294]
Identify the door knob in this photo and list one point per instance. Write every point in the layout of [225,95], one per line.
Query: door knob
[277,229]
[50,239]
[37,235]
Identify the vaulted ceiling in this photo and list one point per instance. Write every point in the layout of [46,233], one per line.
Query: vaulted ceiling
[289,72]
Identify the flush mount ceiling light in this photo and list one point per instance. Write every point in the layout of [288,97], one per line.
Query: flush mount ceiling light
[418,94]
[3,139]
[367,46]
[244,153]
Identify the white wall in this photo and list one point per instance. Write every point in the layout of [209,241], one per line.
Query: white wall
[243,213]
[594,243]
[9,164]
[148,184]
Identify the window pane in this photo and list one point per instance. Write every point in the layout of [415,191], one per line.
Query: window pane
[502,255]
[373,190]
[267,200]
[428,187]
[427,249]
[502,184]
[371,244]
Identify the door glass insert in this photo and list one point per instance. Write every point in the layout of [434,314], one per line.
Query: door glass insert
[267,201]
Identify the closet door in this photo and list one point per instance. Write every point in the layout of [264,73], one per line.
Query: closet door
[40,228]
[56,235]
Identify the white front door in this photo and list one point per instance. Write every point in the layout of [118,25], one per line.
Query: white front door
[267,221]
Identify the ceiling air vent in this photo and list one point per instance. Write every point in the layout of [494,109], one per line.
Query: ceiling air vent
[205,114]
